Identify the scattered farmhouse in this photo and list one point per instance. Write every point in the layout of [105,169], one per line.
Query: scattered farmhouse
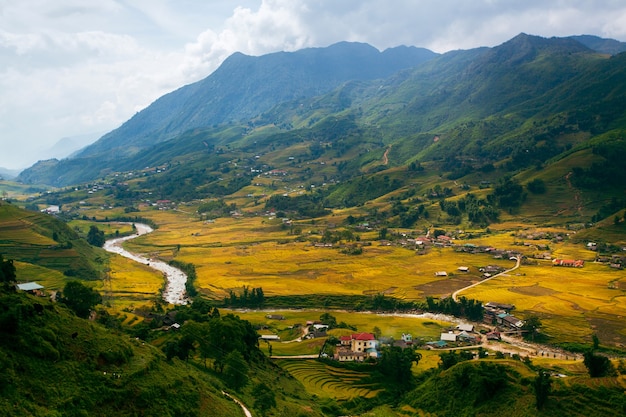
[31,287]
[448,337]
[269,337]
[357,347]
[571,263]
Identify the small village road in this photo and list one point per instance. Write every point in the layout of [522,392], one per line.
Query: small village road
[456,293]
[175,289]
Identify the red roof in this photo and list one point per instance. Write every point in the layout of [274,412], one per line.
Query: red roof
[345,338]
[363,336]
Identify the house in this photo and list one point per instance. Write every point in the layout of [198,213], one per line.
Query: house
[493,335]
[362,341]
[319,330]
[275,317]
[491,269]
[463,268]
[345,340]
[439,344]
[405,342]
[441,274]
[510,321]
[448,337]
[31,287]
[499,306]
[465,327]
[269,337]
[51,210]
[357,347]
[571,263]
[345,355]
[466,337]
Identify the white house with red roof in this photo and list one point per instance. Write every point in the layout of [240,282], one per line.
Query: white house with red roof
[361,345]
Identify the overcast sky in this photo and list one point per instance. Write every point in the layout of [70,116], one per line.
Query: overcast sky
[71,67]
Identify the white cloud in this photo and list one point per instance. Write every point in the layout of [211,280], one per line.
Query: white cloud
[69,67]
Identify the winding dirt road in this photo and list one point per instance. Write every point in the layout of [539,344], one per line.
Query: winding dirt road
[456,293]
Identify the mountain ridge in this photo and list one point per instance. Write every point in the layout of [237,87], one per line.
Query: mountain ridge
[510,82]
[218,99]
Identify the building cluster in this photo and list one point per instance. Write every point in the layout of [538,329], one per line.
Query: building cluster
[500,315]
[461,334]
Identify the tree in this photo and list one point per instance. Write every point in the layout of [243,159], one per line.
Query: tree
[598,365]
[396,364]
[7,271]
[536,186]
[596,341]
[543,386]
[532,325]
[235,370]
[376,331]
[79,298]
[264,398]
[328,319]
[95,237]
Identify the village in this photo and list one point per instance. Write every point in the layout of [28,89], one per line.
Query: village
[500,332]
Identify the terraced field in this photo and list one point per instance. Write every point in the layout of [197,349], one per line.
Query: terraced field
[328,381]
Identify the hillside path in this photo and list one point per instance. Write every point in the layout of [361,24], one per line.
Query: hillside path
[239,403]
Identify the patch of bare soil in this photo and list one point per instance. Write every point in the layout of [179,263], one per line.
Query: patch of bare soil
[534,290]
[609,329]
[442,286]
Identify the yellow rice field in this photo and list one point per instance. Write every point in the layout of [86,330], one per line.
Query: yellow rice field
[257,251]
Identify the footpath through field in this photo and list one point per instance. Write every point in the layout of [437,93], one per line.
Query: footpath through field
[456,293]
[175,289]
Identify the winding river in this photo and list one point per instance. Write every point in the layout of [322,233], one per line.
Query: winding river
[175,289]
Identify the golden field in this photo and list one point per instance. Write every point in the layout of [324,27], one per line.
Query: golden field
[258,251]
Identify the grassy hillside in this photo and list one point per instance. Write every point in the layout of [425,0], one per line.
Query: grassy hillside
[41,239]
[54,363]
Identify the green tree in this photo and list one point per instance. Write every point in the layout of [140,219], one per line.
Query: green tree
[598,365]
[536,186]
[532,325]
[95,237]
[80,299]
[7,271]
[396,364]
[543,387]
[235,370]
[264,398]
[596,341]
[328,319]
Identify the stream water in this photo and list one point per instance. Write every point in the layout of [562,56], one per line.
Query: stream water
[175,289]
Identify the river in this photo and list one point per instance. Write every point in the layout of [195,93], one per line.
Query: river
[175,289]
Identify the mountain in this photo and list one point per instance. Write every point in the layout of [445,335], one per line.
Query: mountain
[605,46]
[8,174]
[509,105]
[245,86]
[67,146]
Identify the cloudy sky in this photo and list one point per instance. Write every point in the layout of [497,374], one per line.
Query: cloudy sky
[74,67]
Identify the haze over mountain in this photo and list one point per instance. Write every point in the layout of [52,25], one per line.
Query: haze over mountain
[417,91]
